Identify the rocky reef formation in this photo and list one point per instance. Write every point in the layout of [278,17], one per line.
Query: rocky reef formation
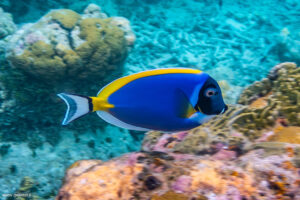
[226,39]
[234,156]
[274,99]
[166,176]
[7,26]
[271,108]
[64,44]
[235,42]
[62,52]
[47,162]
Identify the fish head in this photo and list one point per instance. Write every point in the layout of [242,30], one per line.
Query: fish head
[210,100]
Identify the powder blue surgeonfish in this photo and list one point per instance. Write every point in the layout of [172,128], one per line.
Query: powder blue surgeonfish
[173,99]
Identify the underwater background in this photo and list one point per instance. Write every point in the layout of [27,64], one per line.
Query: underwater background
[48,47]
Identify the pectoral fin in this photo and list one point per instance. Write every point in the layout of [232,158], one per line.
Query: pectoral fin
[184,107]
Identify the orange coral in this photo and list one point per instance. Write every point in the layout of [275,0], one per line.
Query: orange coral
[290,151]
[279,187]
[260,102]
[290,134]
[210,179]
[234,173]
[96,181]
[288,165]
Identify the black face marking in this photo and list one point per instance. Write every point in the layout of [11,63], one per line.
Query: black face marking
[210,100]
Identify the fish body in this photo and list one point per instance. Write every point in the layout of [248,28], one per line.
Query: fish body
[163,99]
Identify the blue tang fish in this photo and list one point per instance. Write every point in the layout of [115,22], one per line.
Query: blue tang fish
[171,99]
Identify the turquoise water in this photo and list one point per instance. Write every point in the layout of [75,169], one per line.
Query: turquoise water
[236,42]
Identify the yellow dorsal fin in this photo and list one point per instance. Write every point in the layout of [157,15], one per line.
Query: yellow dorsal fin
[117,84]
[100,104]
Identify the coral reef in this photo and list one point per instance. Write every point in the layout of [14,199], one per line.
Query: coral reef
[234,156]
[275,98]
[208,138]
[51,56]
[159,176]
[63,51]
[228,39]
[235,42]
[46,163]
[64,44]
[290,134]
[7,26]
[270,112]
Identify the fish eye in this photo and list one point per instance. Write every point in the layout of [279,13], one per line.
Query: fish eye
[209,92]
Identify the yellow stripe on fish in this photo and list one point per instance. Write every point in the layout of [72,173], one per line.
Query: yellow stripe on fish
[100,104]
[117,84]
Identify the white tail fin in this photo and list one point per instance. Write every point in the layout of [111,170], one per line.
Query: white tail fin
[77,106]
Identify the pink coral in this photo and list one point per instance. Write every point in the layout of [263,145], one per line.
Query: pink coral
[132,159]
[224,154]
[153,174]
[160,145]
[182,184]
[181,135]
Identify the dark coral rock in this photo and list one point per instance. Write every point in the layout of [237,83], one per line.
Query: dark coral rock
[152,183]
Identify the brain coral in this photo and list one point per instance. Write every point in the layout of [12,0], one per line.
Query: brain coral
[276,97]
[65,44]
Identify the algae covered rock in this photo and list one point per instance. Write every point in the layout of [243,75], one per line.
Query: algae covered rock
[64,44]
[168,176]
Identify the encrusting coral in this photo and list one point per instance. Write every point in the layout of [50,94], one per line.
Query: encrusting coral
[65,44]
[276,97]
[168,176]
[217,160]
